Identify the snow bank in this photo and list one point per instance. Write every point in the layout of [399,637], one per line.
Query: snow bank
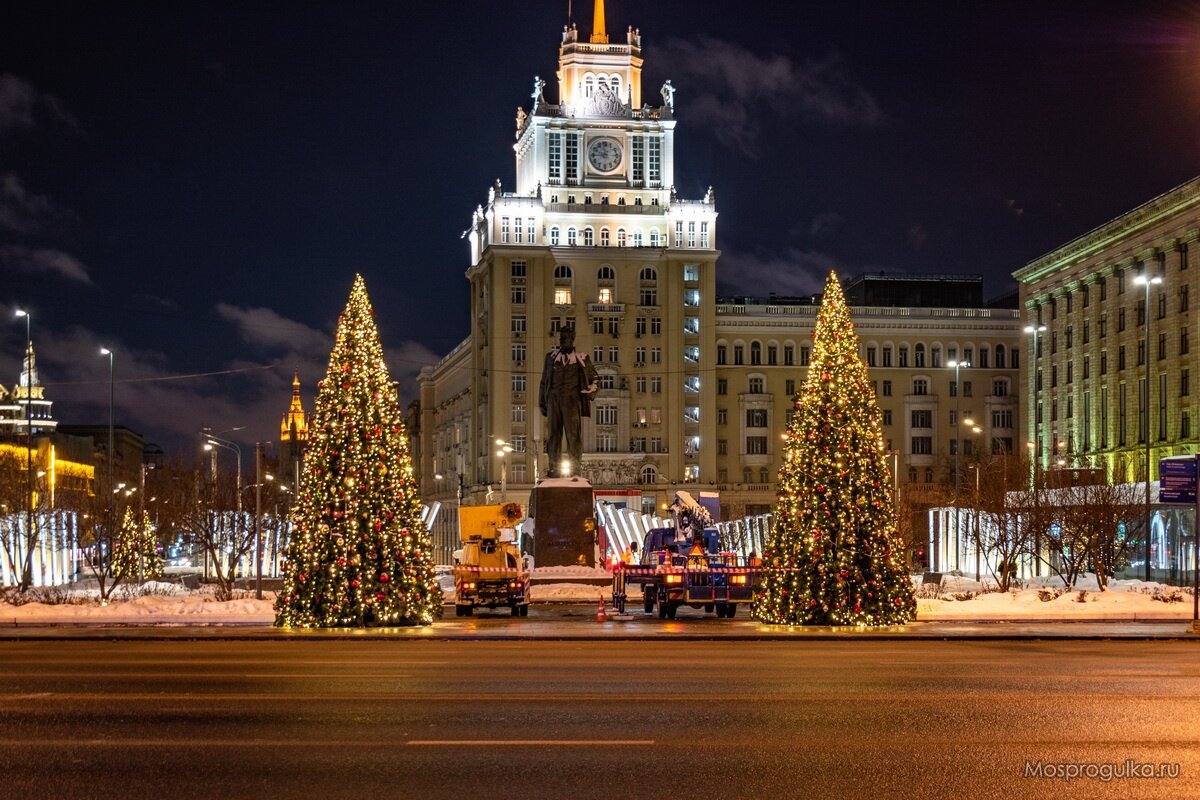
[1046,599]
[189,609]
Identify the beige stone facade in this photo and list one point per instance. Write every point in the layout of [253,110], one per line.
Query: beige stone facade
[1087,302]
[694,392]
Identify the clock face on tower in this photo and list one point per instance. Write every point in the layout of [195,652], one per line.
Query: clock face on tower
[604,154]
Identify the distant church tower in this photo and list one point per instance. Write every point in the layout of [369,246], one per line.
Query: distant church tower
[26,402]
[293,435]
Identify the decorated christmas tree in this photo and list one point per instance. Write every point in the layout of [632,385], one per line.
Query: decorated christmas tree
[834,556]
[135,555]
[359,553]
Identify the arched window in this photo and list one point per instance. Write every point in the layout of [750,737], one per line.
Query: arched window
[615,80]
[588,84]
[562,272]
[756,353]
[912,474]
[654,237]
[571,237]
[554,236]
[606,273]
[649,474]
[935,354]
[764,475]
[747,475]
[919,355]
[637,238]
[648,274]
[604,237]
[620,237]
[999,356]
[589,237]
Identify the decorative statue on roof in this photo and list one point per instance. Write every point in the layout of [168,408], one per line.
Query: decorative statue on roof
[668,95]
[569,382]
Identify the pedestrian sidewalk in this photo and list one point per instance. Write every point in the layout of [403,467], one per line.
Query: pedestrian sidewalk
[574,625]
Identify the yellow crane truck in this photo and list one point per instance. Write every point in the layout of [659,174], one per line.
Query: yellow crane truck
[489,571]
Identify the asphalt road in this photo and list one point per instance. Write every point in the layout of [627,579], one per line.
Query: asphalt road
[602,719]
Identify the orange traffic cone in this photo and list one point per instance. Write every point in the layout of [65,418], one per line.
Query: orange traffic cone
[601,615]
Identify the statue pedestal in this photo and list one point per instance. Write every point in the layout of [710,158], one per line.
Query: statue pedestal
[564,525]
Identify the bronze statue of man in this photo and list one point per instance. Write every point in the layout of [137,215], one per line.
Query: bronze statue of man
[569,382]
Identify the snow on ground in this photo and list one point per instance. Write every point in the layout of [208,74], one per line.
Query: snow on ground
[959,598]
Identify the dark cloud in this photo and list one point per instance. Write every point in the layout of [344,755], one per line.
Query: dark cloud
[793,272]
[273,332]
[729,86]
[23,106]
[42,261]
[917,236]
[824,224]
[25,213]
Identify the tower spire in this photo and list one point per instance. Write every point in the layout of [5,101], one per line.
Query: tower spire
[295,424]
[599,36]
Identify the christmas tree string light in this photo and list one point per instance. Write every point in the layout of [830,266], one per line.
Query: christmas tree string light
[834,556]
[359,553]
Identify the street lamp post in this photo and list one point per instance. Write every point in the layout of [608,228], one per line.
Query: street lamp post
[503,448]
[459,493]
[28,377]
[104,351]
[210,442]
[957,439]
[258,481]
[1034,330]
[1146,280]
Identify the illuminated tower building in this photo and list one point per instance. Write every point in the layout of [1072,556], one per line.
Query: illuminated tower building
[594,236]
[293,434]
[26,406]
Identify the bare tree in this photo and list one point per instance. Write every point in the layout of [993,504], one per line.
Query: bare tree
[104,536]
[1065,537]
[207,512]
[1008,517]
[19,539]
[1090,531]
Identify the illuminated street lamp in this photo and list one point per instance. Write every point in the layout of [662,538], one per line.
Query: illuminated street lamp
[1146,280]
[503,448]
[957,365]
[1034,330]
[28,377]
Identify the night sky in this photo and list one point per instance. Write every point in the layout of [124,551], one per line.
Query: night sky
[195,185]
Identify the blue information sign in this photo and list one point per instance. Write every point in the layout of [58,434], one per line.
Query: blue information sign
[1177,480]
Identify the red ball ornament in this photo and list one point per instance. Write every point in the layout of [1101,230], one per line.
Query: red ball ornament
[384,577]
[354,583]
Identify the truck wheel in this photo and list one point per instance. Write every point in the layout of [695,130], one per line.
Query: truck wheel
[468,611]
[721,610]
[708,608]
[730,610]
[648,603]
[663,609]
[458,611]
[672,610]
[462,610]
[524,610]
[516,611]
